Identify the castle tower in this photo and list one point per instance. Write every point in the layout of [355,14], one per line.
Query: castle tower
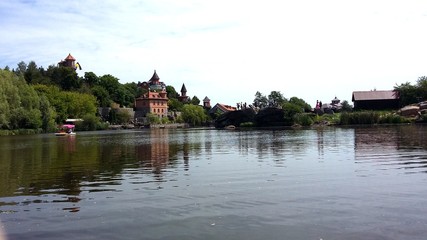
[155,101]
[183,97]
[69,61]
[183,90]
[206,103]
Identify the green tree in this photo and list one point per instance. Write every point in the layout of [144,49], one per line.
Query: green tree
[125,96]
[422,88]
[133,89]
[90,123]
[123,117]
[20,70]
[276,98]
[32,74]
[56,100]
[78,104]
[260,100]
[118,93]
[290,110]
[171,92]
[9,97]
[407,93]
[346,107]
[102,96]
[25,106]
[110,83]
[195,100]
[194,114]
[174,104]
[300,102]
[68,104]
[48,115]
[66,78]
[90,79]
[153,118]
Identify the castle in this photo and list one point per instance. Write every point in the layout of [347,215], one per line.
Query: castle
[155,100]
[70,61]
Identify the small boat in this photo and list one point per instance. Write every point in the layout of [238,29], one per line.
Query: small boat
[230,127]
[66,130]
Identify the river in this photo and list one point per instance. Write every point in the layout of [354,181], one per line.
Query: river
[326,183]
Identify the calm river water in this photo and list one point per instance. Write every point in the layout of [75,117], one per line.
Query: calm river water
[329,183]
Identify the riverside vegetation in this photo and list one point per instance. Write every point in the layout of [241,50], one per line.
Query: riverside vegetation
[36,100]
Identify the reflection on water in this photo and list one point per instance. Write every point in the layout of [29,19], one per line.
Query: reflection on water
[400,147]
[329,183]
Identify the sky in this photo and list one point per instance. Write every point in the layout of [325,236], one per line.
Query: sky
[227,50]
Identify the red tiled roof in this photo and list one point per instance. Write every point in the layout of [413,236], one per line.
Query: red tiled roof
[69,57]
[374,95]
[226,108]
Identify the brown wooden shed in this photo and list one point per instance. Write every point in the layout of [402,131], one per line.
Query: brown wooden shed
[375,100]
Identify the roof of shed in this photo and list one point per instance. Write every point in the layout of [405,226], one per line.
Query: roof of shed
[374,95]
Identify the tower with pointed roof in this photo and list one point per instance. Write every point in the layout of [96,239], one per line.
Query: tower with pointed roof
[155,100]
[335,101]
[207,103]
[69,61]
[183,98]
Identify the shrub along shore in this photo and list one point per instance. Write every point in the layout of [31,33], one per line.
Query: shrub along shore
[336,119]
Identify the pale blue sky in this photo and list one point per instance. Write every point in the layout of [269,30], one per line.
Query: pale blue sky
[227,50]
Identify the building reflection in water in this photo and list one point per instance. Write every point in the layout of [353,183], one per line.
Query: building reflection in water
[186,151]
[68,143]
[154,155]
[374,140]
[402,147]
[320,142]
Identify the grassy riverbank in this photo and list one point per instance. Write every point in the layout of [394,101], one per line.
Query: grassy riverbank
[20,132]
[354,118]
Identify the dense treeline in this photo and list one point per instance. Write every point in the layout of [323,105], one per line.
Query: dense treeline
[107,88]
[25,106]
[410,94]
[33,97]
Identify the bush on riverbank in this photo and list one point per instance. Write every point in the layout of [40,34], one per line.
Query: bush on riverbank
[20,132]
[247,124]
[423,118]
[366,117]
[91,123]
[393,119]
[304,119]
[371,117]
[330,119]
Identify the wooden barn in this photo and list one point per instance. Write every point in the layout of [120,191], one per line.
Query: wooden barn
[375,100]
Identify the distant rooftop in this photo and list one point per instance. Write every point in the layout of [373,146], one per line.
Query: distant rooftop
[374,95]
[69,57]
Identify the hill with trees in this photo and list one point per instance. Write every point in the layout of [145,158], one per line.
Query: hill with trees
[38,99]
